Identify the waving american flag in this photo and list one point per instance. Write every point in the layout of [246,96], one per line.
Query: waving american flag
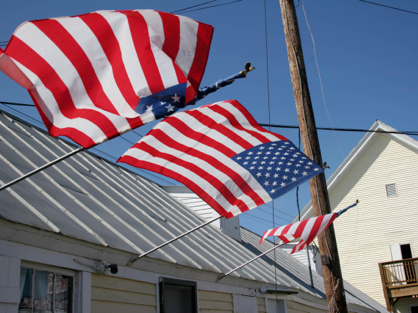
[98,75]
[222,154]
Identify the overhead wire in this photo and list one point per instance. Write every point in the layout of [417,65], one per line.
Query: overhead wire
[193,6]
[212,6]
[361,130]
[389,7]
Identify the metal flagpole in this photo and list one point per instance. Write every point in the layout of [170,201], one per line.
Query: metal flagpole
[248,262]
[130,263]
[79,149]
[271,249]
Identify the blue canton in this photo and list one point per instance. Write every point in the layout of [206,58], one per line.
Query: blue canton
[278,166]
[165,102]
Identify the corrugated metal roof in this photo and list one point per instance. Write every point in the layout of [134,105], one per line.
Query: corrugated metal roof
[94,200]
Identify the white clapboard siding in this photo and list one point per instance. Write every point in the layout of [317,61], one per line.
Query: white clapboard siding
[366,232]
[295,307]
[115,295]
[302,256]
[211,302]
[261,305]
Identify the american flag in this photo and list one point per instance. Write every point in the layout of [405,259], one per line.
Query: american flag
[306,230]
[98,75]
[222,154]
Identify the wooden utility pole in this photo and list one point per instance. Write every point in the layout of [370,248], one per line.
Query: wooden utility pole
[320,201]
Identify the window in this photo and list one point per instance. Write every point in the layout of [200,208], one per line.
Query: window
[178,296]
[414,309]
[45,292]
[391,190]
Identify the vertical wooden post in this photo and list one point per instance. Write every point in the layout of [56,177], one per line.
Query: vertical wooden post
[320,201]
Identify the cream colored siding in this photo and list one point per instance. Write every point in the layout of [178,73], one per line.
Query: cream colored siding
[115,295]
[295,307]
[365,232]
[211,302]
[261,305]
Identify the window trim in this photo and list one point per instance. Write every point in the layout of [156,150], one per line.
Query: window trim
[171,281]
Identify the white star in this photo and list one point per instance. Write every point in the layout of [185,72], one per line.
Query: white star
[277,153]
[289,163]
[259,152]
[267,175]
[252,167]
[309,163]
[292,148]
[304,173]
[245,163]
[294,179]
[162,103]
[307,167]
[265,158]
[274,158]
[271,148]
[284,177]
[249,153]
[282,184]
[266,183]
[263,162]
[286,153]
[274,183]
[239,158]
[255,162]
[247,158]
[260,167]
[286,143]
[280,163]
[261,148]
[316,169]
[273,191]
[272,162]
[295,155]
[257,157]
[278,168]
[297,165]
[295,172]
[276,175]
[300,161]
[269,168]
[287,170]
[170,108]
[149,108]
[258,174]
[176,98]
[283,158]
[268,152]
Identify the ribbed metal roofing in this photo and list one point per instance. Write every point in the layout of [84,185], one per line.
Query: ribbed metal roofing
[94,200]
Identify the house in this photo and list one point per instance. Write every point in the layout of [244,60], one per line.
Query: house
[68,233]
[378,239]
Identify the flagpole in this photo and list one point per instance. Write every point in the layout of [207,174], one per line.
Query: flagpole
[248,262]
[71,153]
[130,263]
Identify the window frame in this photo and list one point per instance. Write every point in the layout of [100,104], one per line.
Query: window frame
[55,271]
[164,281]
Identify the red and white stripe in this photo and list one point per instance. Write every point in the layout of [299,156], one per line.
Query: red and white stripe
[306,230]
[195,148]
[87,73]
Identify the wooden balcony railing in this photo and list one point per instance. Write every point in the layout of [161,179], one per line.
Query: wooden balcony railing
[399,279]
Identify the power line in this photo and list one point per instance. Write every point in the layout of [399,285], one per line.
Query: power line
[194,6]
[389,7]
[410,133]
[212,6]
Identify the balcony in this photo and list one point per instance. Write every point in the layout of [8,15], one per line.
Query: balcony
[399,279]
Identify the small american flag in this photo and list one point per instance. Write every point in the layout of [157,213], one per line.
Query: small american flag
[306,230]
[98,75]
[222,154]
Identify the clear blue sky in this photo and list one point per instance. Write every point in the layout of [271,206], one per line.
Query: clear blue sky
[366,55]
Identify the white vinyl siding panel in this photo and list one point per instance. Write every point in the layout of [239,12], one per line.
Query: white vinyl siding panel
[295,307]
[211,302]
[114,295]
[403,305]
[366,232]
[261,305]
